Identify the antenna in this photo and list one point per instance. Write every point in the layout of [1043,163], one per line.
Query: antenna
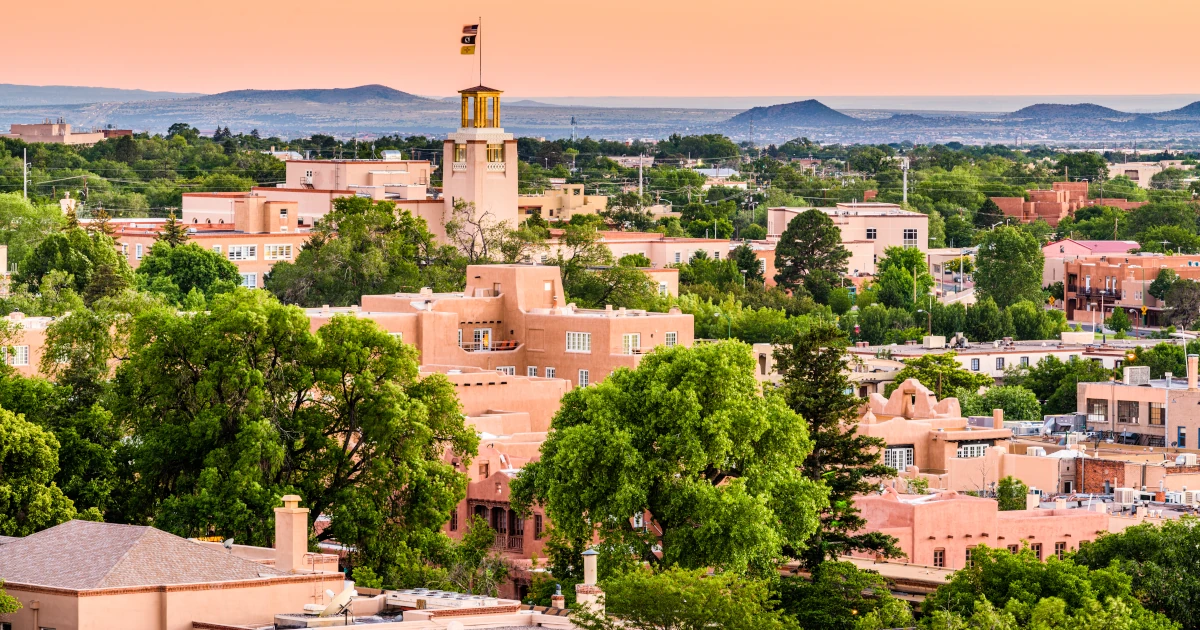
[339,603]
[228,545]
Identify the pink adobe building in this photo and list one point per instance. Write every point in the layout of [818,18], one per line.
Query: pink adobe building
[868,229]
[1144,411]
[1062,200]
[1058,253]
[59,132]
[1095,285]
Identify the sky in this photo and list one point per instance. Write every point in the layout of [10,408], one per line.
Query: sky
[557,48]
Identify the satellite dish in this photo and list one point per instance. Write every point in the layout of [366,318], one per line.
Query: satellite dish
[339,603]
[228,544]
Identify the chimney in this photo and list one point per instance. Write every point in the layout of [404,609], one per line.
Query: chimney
[997,418]
[291,534]
[588,595]
[1192,360]
[1167,377]
[558,600]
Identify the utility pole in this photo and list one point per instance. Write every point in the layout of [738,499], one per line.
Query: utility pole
[25,173]
[904,172]
[641,158]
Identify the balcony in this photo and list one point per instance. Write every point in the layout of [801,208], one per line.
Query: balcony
[496,167]
[504,542]
[1096,293]
[505,345]
[459,166]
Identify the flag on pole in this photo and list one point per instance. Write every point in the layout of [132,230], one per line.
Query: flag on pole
[467,50]
[471,29]
[468,40]
[470,32]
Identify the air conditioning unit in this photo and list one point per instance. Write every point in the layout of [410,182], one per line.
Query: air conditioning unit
[1035,451]
[1123,496]
[1190,497]
[1185,459]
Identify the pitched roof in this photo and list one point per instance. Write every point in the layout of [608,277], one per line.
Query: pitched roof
[83,555]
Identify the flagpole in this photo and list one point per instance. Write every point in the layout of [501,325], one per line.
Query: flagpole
[479,35]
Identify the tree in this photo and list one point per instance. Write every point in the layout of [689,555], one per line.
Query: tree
[1083,165]
[1118,321]
[364,247]
[174,271]
[173,233]
[636,260]
[76,253]
[840,596]
[1162,283]
[1055,382]
[29,499]
[686,439]
[1011,493]
[1160,559]
[895,287]
[810,250]
[1184,301]
[987,322]
[339,416]
[23,225]
[1053,594]
[941,373]
[1017,402]
[477,235]
[747,263]
[815,386]
[1009,266]
[986,216]
[682,599]
[126,150]
[472,565]
[911,260]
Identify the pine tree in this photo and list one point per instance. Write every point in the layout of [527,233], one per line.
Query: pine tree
[173,233]
[815,385]
[100,223]
[72,219]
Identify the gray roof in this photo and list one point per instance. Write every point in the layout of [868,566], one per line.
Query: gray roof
[82,555]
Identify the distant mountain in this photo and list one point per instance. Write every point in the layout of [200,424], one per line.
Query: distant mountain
[32,95]
[1080,112]
[333,96]
[1187,112]
[525,102]
[810,113]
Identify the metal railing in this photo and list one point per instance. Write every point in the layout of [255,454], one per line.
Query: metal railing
[491,346]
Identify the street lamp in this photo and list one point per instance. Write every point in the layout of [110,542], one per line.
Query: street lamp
[929,317]
[729,324]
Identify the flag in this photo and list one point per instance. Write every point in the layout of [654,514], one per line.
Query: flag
[467,50]
[471,29]
[468,40]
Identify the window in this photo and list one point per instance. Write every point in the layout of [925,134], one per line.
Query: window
[137,251]
[537,526]
[1014,548]
[1157,414]
[516,526]
[1024,361]
[460,153]
[662,288]
[398,336]
[972,450]
[1037,549]
[277,252]
[579,342]
[872,234]
[968,556]
[549,372]
[124,252]
[459,337]
[1182,438]
[631,343]
[495,152]
[583,378]
[939,558]
[999,363]
[531,370]
[483,471]
[678,257]
[762,265]
[1060,549]
[507,370]
[1097,410]
[1127,411]
[670,339]
[974,365]
[18,355]
[454,520]
[217,249]
[250,280]
[243,252]
[898,457]
[717,255]
[910,237]
[283,213]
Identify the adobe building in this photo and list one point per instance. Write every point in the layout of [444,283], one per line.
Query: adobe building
[1096,285]
[83,575]
[59,132]
[561,202]
[1058,253]
[1052,206]
[1143,411]
[867,229]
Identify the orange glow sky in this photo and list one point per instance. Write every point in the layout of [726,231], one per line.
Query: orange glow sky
[614,47]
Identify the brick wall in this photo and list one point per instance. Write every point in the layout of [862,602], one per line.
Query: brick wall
[1092,473]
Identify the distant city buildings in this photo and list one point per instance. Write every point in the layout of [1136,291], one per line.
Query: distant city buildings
[59,132]
[1052,206]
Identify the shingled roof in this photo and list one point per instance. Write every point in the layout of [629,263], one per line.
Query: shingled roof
[82,555]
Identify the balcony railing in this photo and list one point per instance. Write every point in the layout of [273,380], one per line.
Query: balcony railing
[1094,292]
[491,346]
[504,542]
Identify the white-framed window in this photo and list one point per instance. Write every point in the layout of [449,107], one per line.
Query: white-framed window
[216,249]
[483,338]
[716,255]
[999,363]
[579,342]
[17,355]
[250,280]
[398,336]
[972,450]
[124,249]
[662,288]
[531,371]
[762,265]
[910,237]
[549,372]
[277,252]
[459,337]
[631,343]
[872,234]
[137,251]
[507,370]
[678,257]
[670,339]
[584,378]
[243,252]
[283,213]
[974,365]
[1024,361]
[900,457]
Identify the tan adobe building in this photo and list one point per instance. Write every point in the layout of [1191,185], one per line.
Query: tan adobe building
[868,229]
[59,132]
[1058,253]
[1095,285]
[561,202]
[1052,206]
[1144,411]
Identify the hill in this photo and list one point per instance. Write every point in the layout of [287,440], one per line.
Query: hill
[1080,112]
[32,95]
[333,96]
[1190,111]
[810,113]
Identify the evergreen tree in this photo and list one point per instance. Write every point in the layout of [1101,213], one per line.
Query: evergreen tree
[815,386]
[810,252]
[988,214]
[100,223]
[173,232]
[72,219]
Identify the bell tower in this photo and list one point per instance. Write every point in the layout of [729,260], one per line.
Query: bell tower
[480,159]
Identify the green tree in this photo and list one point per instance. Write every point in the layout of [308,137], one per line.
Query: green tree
[1009,267]
[1017,402]
[74,252]
[941,373]
[23,224]
[472,564]
[174,271]
[1083,165]
[988,322]
[687,439]
[1162,283]
[239,405]
[1183,299]
[747,263]
[986,216]
[1055,382]
[637,260]
[809,251]
[173,232]
[839,596]
[1011,493]
[1030,321]
[895,287]
[29,499]
[815,386]
[1118,321]
[682,599]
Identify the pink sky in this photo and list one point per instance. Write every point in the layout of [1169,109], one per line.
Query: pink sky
[618,47]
